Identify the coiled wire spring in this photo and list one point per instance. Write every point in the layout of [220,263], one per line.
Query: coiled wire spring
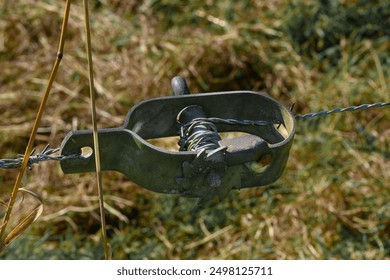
[202,134]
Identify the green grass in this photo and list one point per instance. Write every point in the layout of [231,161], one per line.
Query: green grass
[332,202]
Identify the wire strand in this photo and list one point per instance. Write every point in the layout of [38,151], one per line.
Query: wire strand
[341,110]
[202,134]
[188,140]
[45,155]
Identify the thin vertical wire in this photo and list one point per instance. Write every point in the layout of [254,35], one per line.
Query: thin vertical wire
[95,132]
[41,109]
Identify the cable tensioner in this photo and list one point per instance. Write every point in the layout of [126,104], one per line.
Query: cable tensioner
[206,166]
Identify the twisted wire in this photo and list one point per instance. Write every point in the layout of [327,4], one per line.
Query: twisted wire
[202,134]
[45,155]
[199,134]
[239,122]
[340,110]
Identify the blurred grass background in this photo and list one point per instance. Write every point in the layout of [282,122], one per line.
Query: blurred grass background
[333,200]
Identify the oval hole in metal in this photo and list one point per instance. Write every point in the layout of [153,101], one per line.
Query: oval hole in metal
[232,134]
[86,152]
[166,143]
[282,130]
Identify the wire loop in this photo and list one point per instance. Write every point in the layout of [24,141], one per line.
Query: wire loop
[202,134]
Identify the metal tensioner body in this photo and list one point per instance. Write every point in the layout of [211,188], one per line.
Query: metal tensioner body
[206,166]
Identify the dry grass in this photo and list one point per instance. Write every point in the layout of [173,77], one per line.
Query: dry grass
[332,201]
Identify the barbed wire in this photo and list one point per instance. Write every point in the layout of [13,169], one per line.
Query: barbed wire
[48,154]
[45,155]
[340,110]
[238,122]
